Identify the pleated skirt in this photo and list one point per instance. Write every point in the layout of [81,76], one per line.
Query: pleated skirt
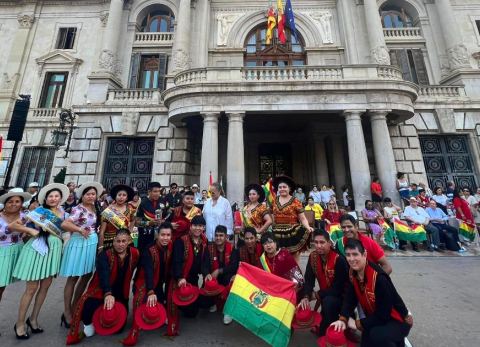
[8,259]
[79,255]
[32,266]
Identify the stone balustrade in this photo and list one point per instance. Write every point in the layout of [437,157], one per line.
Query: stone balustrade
[153,39]
[444,91]
[398,34]
[44,113]
[133,96]
[389,73]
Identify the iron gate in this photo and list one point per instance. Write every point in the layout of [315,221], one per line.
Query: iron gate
[129,161]
[448,158]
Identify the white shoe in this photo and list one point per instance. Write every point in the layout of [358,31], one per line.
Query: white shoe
[213,309]
[89,330]
[227,319]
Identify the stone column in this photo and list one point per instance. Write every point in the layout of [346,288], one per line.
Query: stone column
[339,170]
[456,51]
[357,155]
[384,158]
[378,47]
[202,10]
[345,8]
[235,159]
[181,45]
[321,164]
[108,61]
[209,161]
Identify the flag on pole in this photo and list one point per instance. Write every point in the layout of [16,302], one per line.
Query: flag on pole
[271,23]
[210,182]
[281,22]
[1,147]
[467,230]
[415,233]
[263,303]
[335,231]
[388,233]
[290,19]
[269,193]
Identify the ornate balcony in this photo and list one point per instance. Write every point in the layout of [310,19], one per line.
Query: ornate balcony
[133,97]
[154,39]
[43,113]
[429,93]
[402,34]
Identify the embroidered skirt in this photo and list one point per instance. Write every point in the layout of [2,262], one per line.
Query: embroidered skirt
[295,238]
[8,259]
[32,266]
[79,255]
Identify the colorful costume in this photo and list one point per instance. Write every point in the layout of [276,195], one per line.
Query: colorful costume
[147,212]
[222,261]
[374,227]
[113,277]
[183,220]
[10,247]
[374,251]
[255,217]
[289,233]
[283,265]
[115,220]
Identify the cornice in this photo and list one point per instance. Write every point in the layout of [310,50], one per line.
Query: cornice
[20,3]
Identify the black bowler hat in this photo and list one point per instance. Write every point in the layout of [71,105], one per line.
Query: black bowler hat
[258,188]
[114,191]
[198,220]
[283,179]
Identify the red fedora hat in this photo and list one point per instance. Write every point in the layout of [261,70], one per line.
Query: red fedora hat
[212,288]
[108,322]
[305,319]
[334,338]
[150,317]
[185,295]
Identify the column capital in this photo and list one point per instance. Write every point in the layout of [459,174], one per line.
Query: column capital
[236,116]
[350,115]
[378,114]
[211,116]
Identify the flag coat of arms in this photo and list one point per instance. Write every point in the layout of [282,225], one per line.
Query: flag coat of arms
[263,303]
[414,233]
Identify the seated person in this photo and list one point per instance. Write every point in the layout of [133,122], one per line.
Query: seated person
[317,209]
[331,271]
[390,210]
[332,214]
[448,234]
[423,199]
[370,216]
[386,320]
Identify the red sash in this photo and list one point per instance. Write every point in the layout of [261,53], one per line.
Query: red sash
[366,297]
[215,255]
[325,274]
[246,257]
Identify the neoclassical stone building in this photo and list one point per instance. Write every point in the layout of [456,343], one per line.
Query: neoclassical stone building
[173,90]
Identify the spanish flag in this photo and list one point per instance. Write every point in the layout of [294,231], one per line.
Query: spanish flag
[271,23]
[281,22]
[467,230]
[415,233]
[388,233]
[263,303]
[335,231]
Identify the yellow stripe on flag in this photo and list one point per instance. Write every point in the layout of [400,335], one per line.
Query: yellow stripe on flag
[279,308]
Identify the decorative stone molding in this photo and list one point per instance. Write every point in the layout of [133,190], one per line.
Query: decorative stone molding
[380,55]
[323,21]
[25,21]
[225,23]
[8,81]
[181,60]
[104,18]
[107,60]
[129,123]
[458,56]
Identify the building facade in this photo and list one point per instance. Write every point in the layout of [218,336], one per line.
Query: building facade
[181,90]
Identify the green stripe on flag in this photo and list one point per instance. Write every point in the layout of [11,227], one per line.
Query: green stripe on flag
[470,235]
[268,328]
[411,236]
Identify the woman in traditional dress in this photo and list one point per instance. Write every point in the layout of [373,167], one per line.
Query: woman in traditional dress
[279,261]
[118,215]
[39,260]
[255,214]
[78,260]
[10,242]
[290,226]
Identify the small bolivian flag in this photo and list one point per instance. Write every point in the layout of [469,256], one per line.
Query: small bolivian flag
[415,233]
[263,303]
[335,231]
[388,233]
[466,229]
[269,193]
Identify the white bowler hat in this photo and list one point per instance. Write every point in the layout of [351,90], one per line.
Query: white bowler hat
[98,187]
[15,192]
[195,186]
[61,187]
[34,185]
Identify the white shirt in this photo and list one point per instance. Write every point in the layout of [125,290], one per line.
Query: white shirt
[316,196]
[220,214]
[198,198]
[345,198]
[417,215]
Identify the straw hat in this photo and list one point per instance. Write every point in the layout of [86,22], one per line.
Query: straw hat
[61,187]
[15,192]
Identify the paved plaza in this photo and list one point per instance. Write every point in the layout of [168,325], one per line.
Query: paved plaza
[442,292]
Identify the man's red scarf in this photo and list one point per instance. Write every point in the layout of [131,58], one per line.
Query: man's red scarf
[215,255]
[188,256]
[325,273]
[95,290]
[183,220]
[252,259]
[366,297]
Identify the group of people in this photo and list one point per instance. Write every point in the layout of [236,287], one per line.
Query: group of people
[178,244]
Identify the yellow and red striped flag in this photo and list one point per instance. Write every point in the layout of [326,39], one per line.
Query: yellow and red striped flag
[415,233]
[466,229]
[263,303]
[281,22]
[271,23]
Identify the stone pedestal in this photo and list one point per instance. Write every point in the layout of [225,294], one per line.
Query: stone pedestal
[384,157]
[357,154]
[378,47]
[209,161]
[235,159]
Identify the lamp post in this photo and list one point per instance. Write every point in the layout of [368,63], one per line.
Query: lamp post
[63,134]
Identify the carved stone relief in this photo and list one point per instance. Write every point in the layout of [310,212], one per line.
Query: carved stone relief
[181,60]
[323,21]
[225,23]
[107,60]
[25,21]
[458,56]
[104,18]
[380,55]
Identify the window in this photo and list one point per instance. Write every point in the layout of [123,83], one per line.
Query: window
[395,17]
[148,71]
[276,54]
[477,22]
[411,62]
[53,89]
[66,38]
[36,166]
[159,21]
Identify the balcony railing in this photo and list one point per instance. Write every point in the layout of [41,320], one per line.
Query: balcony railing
[133,96]
[441,92]
[288,74]
[153,39]
[399,34]
[44,113]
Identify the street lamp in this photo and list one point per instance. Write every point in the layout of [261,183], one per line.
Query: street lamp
[63,134]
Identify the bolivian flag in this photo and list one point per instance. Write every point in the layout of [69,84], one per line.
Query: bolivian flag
[335,231]
[263,303]
[466,229]
[388,233]
[269,193]
[415,233]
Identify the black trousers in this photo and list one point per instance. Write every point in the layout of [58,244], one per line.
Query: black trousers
[448,236]
[191,311]
[331,306]
[391,334]
[92,304]
[146,236]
